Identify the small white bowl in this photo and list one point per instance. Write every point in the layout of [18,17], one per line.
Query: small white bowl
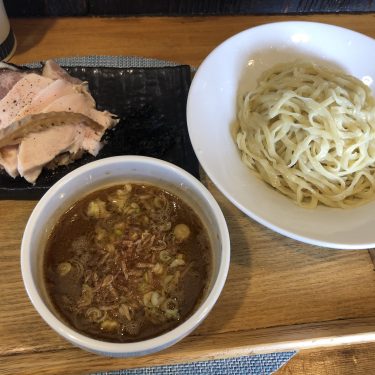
[106,172]
[232,69]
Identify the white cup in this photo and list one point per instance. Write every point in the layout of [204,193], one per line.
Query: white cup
[7,38]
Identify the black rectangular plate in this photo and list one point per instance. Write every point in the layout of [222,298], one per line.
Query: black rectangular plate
[151,105]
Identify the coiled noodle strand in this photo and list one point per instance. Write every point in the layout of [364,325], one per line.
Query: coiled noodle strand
[309,132]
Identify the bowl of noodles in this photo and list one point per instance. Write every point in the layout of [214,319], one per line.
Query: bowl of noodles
[282,119]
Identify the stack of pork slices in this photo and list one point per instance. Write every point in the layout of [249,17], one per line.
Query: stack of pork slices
[47,119]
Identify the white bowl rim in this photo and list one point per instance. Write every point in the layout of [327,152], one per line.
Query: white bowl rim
[221,187]
[282,23]
[140,347]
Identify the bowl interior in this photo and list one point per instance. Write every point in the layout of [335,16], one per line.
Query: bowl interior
[106,173]
[233,69]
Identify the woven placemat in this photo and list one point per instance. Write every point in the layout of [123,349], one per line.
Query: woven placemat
[110,61]
[261,364]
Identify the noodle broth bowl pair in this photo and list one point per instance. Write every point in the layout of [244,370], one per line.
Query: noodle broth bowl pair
[115,171]
[232,70]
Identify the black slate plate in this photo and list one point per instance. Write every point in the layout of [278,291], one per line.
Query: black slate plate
[151,103]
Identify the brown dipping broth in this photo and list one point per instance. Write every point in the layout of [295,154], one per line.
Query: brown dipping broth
[127,263]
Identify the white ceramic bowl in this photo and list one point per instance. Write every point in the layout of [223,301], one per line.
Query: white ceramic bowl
[233,69]
[107,172]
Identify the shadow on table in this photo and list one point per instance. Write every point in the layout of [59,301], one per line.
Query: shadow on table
[223,315]
[29,34]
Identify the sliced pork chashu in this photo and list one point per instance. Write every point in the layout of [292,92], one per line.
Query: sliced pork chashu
[54,71]
[21,95]
[42,137]
[55,90]
[37,123]
[10,74]
[38,149]
[8,78]
[8,159]
[84,104]
[60,96]
[34,107]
